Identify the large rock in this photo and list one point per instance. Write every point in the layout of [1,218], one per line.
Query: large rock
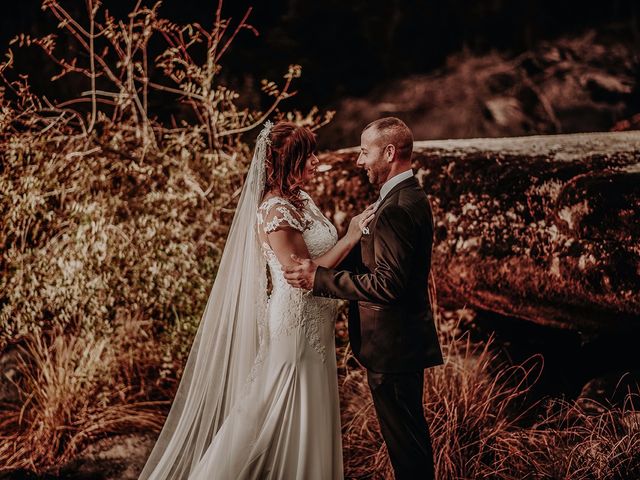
[119,457]
[546,228]
[9,376]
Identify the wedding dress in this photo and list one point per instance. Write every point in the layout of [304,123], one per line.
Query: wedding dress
[282,421]
[288,426]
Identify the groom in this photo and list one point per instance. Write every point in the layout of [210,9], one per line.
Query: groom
[391,327]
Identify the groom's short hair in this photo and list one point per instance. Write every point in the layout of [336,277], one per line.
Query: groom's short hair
[394,131]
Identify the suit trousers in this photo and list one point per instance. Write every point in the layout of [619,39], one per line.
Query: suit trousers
[397,398]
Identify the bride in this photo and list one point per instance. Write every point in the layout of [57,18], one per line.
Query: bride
[258,398]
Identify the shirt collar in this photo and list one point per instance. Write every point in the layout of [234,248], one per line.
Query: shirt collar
[393,181]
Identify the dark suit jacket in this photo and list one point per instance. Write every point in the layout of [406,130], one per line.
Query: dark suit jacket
[391,327]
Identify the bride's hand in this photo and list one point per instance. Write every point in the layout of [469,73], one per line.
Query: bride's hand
[359,222]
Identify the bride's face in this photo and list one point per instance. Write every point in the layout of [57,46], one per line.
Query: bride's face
[310,167]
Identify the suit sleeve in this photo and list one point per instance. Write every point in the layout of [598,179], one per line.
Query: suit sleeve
[393,250]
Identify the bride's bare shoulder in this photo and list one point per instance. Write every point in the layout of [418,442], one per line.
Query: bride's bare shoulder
[268,195]
[271,198]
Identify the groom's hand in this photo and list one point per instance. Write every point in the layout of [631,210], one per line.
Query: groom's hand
[302,274]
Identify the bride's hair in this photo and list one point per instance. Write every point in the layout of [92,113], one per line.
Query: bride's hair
[290,146]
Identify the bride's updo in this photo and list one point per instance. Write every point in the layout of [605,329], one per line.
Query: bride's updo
[290,147]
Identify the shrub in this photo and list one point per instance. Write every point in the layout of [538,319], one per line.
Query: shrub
[113,220]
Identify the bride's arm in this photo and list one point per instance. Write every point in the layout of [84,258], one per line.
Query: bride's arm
[285,242]
[341,249]
[338,252]
[288,241]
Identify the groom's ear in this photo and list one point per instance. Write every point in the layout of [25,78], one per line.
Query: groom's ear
[390,152]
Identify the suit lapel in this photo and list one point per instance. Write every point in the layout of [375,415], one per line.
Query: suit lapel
[366,243]
[411,181]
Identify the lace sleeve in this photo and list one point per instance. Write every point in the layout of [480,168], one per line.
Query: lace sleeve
[278,214]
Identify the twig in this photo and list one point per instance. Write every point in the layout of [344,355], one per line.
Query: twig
[92,64]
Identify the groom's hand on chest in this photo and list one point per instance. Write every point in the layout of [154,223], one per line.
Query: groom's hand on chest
[302,274]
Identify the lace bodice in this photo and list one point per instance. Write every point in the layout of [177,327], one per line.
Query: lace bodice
[277,213]
[293,308]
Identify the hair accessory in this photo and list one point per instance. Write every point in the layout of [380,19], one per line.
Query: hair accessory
[264,134]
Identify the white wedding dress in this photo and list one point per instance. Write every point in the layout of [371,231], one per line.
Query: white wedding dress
[286,425]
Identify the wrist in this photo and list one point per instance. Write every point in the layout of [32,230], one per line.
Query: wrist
[351,240]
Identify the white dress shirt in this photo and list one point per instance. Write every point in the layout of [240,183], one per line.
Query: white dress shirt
[392,182]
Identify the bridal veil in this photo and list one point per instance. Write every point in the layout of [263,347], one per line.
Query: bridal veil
[228,344]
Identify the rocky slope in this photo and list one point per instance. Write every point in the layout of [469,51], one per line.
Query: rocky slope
[576,84]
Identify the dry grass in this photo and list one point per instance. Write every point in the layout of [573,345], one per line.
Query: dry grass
[569,443]
[74,390]
[468,402]
[481,423]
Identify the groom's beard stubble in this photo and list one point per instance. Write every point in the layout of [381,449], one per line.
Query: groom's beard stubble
[371,176]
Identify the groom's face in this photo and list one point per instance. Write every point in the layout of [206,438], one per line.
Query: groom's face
[372,157]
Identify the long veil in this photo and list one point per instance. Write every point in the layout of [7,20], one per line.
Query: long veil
[228,344]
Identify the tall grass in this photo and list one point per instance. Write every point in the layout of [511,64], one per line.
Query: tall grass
[483,426]
[74,390]
[468,402]
[569,443]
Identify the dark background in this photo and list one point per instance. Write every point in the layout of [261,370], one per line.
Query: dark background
[348,48]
